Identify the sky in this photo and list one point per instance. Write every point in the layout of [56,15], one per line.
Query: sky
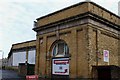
[17,17]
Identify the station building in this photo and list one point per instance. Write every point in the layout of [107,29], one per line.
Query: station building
[80,41]
[22,53]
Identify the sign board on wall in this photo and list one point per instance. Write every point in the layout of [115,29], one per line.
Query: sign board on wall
[106,55]
[60,66]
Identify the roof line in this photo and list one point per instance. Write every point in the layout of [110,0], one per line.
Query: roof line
[75,6]
[24,42]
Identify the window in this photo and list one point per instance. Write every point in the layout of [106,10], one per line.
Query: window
[60,49]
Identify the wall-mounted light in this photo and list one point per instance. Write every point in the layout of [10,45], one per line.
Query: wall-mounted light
[41,41]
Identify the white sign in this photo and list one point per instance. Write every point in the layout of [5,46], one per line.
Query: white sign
[60,66]
[106,55]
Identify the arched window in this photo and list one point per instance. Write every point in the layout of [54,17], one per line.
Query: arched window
[60,49]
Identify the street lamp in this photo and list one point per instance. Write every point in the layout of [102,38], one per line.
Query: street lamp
[2,57]
[2,53]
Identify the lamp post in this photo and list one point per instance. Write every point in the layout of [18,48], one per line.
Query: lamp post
[119,8]
[2,57]
[2,53]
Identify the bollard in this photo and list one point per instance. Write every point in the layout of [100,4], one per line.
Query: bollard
[32,77]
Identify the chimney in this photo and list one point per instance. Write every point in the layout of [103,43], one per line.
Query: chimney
[119,8]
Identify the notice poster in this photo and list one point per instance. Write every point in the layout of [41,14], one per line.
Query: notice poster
[60,66]
[106,55]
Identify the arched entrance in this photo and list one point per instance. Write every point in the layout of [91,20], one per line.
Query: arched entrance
[60,59]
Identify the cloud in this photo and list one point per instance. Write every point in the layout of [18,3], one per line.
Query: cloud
[41,1]
[111,5]
[16,25]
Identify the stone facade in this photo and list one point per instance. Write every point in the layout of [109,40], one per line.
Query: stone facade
[87,29]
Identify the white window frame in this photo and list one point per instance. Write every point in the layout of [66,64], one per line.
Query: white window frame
[56,45]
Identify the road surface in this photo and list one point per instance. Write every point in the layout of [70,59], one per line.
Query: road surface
[10,75]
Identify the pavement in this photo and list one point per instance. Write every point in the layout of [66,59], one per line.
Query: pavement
[10,75]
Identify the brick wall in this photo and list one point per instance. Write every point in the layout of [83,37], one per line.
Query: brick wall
[86,35]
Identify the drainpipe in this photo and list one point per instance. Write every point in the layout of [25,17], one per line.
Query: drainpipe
[27,55]
[57,33]
[96,47]
[26,62]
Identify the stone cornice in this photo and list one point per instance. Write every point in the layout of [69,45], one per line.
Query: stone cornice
[75,21]
[77,9]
